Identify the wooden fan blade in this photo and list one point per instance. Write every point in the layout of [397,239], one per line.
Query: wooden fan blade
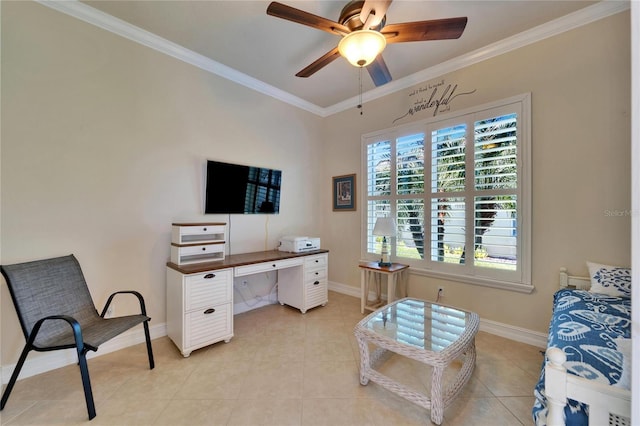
[379,72]
[289,13]
[319,63]
[437,29]
[373,12]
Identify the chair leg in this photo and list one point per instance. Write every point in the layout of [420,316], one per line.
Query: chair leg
[14,375]
[86,383]
[149,350]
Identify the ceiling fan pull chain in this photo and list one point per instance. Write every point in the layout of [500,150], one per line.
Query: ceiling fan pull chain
[360,89]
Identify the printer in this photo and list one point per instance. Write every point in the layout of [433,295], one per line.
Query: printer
[298,244]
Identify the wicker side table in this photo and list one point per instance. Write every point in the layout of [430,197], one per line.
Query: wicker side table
[411,337]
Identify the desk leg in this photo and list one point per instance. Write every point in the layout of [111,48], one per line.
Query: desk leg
[391,287]
[376,278]
[404,283]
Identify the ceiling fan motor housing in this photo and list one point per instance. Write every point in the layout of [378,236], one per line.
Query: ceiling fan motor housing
[350,16]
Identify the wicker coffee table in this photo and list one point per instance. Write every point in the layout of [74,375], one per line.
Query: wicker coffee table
[424,331]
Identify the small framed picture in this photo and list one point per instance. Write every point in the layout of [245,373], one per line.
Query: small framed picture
[344,193]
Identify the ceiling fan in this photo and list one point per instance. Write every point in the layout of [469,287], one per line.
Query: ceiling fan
[362,26]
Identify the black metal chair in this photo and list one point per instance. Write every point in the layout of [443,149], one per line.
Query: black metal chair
[56,311]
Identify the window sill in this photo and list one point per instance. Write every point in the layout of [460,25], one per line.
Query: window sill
[485,282]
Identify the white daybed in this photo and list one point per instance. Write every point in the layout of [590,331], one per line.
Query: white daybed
[585,326]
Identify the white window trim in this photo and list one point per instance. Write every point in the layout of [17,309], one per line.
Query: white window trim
[525,208]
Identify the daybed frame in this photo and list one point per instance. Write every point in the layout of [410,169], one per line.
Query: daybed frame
[607,404]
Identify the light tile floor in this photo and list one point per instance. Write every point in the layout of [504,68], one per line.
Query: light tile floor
[281,368]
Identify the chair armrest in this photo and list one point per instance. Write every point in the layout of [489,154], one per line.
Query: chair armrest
[75,325]
[143,309]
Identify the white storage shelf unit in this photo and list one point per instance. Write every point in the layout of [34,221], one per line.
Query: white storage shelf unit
[197,242]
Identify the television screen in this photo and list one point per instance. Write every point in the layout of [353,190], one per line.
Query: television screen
[235,188]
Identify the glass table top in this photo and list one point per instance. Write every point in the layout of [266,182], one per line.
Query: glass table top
[419,323]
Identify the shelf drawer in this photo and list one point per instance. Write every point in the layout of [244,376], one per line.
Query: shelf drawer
[207,325]
[182,255]
[207,289]
[267,266]
[319,261]
[197,233]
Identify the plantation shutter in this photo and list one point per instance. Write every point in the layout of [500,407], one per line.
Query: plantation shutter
[409,196]
[496,178]
[378,187]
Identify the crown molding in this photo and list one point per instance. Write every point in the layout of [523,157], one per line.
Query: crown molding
[117,26]
[558,26]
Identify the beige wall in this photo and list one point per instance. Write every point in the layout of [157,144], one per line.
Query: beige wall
[104,144]
[580,84]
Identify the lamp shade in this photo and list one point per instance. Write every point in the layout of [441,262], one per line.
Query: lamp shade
[385,227]
[361,47]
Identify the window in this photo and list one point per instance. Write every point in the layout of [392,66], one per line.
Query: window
[458,189]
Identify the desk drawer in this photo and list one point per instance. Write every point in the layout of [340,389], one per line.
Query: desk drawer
[267,266]
[313,262]
[319,274]
[207,289]
[316,293]
[207,325]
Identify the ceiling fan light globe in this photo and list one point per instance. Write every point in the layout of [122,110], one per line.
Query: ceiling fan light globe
[362,47]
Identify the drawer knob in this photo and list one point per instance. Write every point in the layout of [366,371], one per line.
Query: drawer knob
[209,276]
[274,265]
[204,229]
[317,261]
[317,273]
[316,283]
[209,311]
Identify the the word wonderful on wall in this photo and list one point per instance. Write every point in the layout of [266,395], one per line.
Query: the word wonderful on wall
[435,97]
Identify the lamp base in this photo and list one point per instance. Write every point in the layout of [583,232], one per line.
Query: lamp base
[384,254]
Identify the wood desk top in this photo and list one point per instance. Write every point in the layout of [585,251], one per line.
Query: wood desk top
[241,259]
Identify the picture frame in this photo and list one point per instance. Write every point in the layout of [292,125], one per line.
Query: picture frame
[344,193]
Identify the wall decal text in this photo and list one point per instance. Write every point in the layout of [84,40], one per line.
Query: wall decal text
[434,96]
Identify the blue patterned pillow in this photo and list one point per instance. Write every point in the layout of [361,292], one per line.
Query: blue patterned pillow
[610,280]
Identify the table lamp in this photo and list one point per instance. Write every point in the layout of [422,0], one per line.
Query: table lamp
[384,227]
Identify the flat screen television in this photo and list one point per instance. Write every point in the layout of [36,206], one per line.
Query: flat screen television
[239,189]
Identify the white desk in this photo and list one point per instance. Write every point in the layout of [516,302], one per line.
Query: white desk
[200,295]
[373,272]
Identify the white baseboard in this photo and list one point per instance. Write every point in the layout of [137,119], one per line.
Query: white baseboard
[344,289]
[512,332]
[51,360]
[507,331]
[57,359]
